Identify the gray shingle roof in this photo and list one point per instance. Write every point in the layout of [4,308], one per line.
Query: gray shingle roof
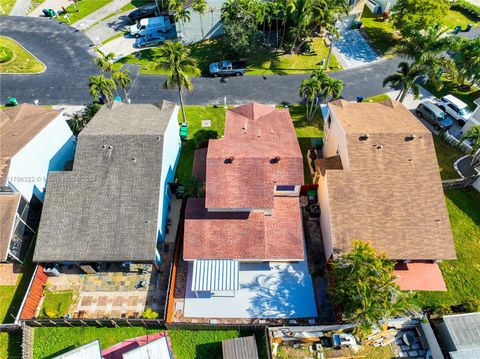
[106,209]
[464,330]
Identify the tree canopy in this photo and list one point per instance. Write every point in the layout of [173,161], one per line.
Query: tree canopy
[418,14]
[363,285]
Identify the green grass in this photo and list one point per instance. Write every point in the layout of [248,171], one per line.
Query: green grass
[264,62]
[54,341]
[454,18]
[305,131]
[23,61]
[6,5]
[380,32]
[86,7]
[446,156]
[11,297]
[10,345]
[451,88]
[379,98]
[461,275]
[56,304]
[116,36]
[195,115]
[200,344]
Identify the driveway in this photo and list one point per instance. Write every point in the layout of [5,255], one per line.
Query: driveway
[65,51]
[108,28]
[352,50]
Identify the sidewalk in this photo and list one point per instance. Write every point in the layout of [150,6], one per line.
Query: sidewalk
[108,28]
[100,14]
[50,4]
[20,8]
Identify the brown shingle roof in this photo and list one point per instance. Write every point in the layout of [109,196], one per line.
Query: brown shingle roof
[254,135]
[8,209]
[391,193]
[18,126]
[244,235]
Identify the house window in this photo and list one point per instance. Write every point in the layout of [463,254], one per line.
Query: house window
[285,188]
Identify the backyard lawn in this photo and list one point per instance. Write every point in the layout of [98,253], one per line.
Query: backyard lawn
[56,304]
[86,7]
[21,60]
[264,62]
[461,275]
[186,344]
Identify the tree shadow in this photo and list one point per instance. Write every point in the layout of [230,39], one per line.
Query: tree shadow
[467,200]
[14,348]
[276,294]
[60,352]
[208,350]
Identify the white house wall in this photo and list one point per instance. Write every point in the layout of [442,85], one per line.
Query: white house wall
[49,150]
[335,140]
[171,151]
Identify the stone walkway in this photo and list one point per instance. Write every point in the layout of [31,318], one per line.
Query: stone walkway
[9,273]
[100,14]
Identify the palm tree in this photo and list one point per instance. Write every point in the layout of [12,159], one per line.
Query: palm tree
[101,86]
[230,10]
[406,77]
[104,61]
[332,88]
[473,135]
[200,6]
[288,9]
[211,10]
[175,58]
[467,63]
[182,15]
[427,46]
[310,90]
[122,79]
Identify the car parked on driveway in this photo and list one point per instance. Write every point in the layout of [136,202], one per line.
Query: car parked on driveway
[227,68]
[433,114]
[141,13]
[455,108]
[146,26]
[154,39]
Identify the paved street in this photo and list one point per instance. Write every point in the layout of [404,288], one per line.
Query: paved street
[68,55]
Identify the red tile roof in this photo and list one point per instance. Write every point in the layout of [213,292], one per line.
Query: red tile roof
[244,235]
[254,136]
[420,276]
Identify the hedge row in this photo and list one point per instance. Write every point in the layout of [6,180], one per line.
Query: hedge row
[6,54]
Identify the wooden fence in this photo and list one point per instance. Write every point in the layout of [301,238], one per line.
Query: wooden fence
[34,294]
[459,182]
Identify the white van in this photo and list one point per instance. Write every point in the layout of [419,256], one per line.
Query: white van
[144,26]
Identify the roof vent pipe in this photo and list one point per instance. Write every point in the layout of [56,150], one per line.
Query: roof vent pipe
[229,159]
[275,159]
[364,137]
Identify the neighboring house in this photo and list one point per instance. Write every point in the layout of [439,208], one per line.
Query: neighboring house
[459,335]
[113,205]
[90,350]
[379,181]
[244,241]
[33,141]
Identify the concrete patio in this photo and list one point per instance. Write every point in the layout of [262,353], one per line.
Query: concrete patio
[275,290]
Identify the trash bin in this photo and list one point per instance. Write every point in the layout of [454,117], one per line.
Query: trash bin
[469,27]
[457,29]
[12,101]
[359,98]
[357,24]
[183,132]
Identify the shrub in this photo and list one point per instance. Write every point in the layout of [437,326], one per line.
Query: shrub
[149,314]
[6,54]
[465,6]
[50,313]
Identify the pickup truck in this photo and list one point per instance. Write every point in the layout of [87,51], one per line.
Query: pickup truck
[227,68]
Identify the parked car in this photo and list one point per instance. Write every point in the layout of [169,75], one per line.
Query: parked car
[455,108]
[146,26]
[227,68]
[141,13]
[153,39]
[434,115]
